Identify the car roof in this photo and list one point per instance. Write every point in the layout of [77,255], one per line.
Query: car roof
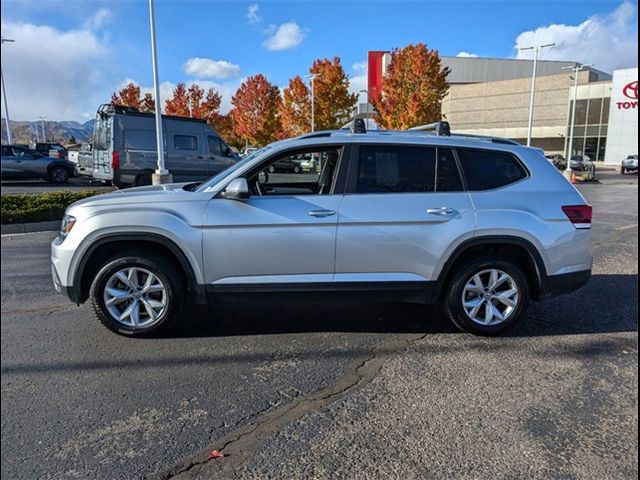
[393,137]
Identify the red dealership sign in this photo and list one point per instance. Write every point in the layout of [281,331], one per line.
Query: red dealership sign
[630,90]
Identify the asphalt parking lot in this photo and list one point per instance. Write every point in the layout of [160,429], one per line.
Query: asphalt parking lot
[41,186]
[309,390]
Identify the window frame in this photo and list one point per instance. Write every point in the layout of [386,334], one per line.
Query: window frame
[504,152]
[339,182]
[354,166]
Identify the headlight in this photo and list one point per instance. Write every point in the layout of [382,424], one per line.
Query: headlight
[68,222]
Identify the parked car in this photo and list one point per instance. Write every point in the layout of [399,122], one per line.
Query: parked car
[125,147]
[629,164]
[53,150]
[476,226]
[579,163]
[22,162]
[558,160]
[285,165]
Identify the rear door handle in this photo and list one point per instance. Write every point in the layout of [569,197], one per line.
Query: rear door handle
[442,211]
[322,213]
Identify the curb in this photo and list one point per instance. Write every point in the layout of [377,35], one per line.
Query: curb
[31,227]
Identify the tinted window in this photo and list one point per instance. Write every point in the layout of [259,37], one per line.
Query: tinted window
[6,150]
[185,142]
[140,139]
[214,145]
[486,169]
[448,175]
[396,169]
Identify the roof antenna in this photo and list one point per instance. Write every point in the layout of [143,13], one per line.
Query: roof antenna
[358,126]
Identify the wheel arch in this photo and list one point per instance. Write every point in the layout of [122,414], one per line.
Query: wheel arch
[105,246]
[521,249]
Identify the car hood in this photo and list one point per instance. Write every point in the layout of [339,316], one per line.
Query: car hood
[173,192]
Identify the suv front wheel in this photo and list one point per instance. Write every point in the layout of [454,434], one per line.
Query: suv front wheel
[138,294]
[487,295]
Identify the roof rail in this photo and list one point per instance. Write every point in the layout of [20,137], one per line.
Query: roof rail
[439,128]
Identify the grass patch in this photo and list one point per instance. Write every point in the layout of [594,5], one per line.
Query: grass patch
[41,207]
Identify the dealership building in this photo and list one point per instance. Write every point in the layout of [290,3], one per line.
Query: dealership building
[492,96]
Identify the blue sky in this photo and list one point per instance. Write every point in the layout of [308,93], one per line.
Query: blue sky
[70,55]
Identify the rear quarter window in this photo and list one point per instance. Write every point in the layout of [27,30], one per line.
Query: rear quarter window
[490,169]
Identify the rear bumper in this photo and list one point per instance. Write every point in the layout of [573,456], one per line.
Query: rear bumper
[555,285]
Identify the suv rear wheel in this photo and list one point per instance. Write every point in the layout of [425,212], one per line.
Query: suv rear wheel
[487,295]
[138,294]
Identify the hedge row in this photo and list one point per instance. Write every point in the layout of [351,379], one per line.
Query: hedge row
[41,207]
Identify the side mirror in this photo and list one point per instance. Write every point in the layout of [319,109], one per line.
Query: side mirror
[237,189]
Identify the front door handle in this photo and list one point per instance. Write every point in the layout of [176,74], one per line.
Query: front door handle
[442,211]
[322,213]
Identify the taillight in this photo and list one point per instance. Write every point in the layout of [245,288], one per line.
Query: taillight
[579,215]
[115,160]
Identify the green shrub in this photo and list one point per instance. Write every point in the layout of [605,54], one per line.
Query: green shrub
[41,207]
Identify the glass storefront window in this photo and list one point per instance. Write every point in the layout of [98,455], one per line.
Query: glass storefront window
[581,112]
[595,107]
[602,148]
[591,148]
[578,146]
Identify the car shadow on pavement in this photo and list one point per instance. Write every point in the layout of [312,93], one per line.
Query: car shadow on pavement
[608,303]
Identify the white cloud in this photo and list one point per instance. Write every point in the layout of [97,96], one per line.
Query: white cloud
[99,19]
[610,41]
[252,14]
[53,73]
[358,81]
[207,68]
[466,55]
[286,36]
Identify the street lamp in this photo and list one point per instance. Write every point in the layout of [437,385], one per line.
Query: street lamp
[536,49]
[4,96]
[313,76]
[162,175]
[576,69]
[367,115]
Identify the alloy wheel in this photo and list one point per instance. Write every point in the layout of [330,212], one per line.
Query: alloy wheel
[135,297]
[490,297]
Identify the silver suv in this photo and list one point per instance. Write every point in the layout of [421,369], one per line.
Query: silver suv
[478,225]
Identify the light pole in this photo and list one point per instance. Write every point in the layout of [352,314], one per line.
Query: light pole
[367,115]
[536,49]
[161,175]
[313,76]
[4,96]
[576,69]
[44,132]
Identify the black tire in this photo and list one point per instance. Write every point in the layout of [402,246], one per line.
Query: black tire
[622,171]
[165,271]
[143,180]
[59,175]
[453,302]
[297,169]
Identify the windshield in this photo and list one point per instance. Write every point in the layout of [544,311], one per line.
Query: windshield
[213,181]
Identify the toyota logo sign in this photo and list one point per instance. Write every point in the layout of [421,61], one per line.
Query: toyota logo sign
[630,90]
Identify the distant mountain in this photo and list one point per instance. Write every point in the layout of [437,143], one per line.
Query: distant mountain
[63,132]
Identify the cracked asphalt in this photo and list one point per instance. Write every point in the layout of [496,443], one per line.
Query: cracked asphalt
[291,389]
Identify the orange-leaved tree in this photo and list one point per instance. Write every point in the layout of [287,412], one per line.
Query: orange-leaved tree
[412,89]
[255,110]
[295,109]
[194,103]
[178,104]
[333,104]
[128,96]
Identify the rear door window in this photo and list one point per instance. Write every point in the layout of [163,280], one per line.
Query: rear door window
[490,169]
[396,169]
